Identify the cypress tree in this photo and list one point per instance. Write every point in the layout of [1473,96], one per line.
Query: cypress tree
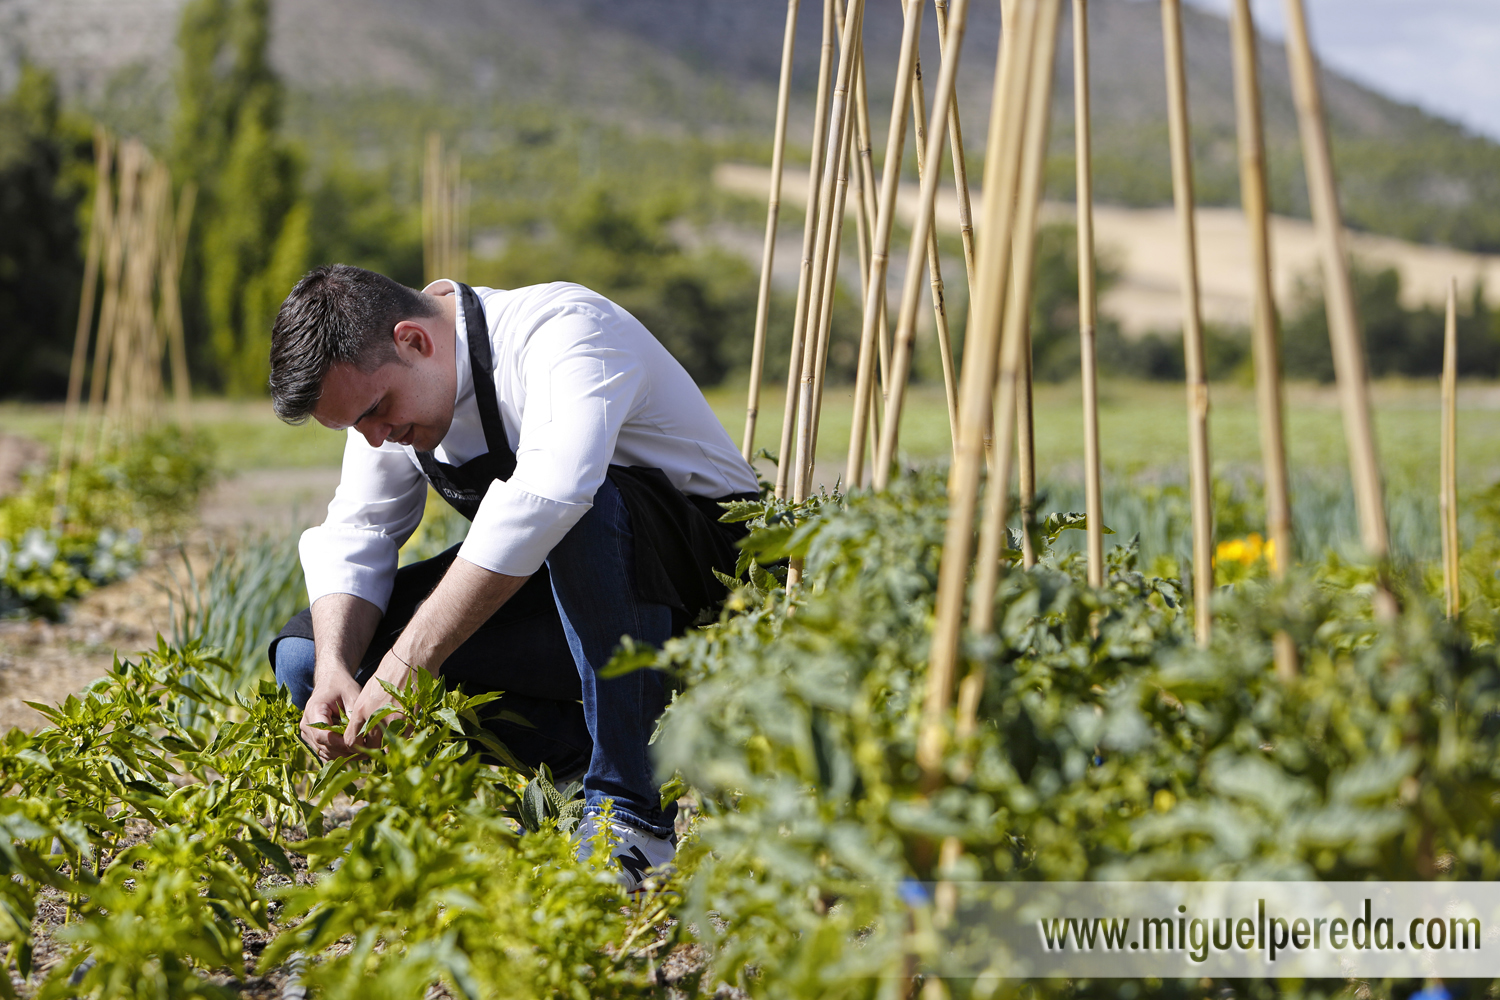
[45,173]
[251,227]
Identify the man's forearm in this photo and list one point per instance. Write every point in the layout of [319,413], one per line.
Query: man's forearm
[463,600]
[343,626]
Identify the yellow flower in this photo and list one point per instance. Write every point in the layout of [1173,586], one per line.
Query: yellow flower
[1246,551]
[1232,551]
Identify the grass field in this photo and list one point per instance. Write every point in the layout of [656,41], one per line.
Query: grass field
[1144,440]
[1143,429]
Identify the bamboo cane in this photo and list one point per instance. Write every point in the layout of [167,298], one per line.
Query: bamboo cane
[784,461]
[1014,54]
[109,306]
[1265,332]
[123,334]
[1088,302]
[1025,409]
[864,177]
[172,297]
[139,364]
[934,262]
[459,265]
[960,166]
[1192,324]
[825,273]
[99,223]
[1448,498]
[429,206]
[880,251]
[923,239]
[1343,317]
[773,216]
[982,347]
[1008,408]
[871,213]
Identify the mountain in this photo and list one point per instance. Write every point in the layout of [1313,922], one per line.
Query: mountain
[708,68]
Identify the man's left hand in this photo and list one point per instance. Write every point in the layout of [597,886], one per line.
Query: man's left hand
[373,700]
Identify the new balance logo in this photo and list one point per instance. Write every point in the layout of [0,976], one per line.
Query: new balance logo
[635,863]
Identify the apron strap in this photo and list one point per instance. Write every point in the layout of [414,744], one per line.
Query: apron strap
[482,367]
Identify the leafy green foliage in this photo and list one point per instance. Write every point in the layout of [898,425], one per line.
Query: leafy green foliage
[50,556]
[692,303]
[176,816]
[1108,745]
[44,177]
[176,813]
[1398,340]
[251,222]
[240,604]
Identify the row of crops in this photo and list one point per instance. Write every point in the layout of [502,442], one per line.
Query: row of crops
[169,836]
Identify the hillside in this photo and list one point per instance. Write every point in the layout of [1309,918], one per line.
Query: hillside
[708,68]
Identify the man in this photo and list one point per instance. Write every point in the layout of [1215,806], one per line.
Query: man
[591,467]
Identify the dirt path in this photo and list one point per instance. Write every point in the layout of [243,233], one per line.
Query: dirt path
[45,662]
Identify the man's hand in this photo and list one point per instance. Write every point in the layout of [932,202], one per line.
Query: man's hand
[374,699]
[331,698]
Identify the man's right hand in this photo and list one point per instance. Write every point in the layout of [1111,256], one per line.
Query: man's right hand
[330,702]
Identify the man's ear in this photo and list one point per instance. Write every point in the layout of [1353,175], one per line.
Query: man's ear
[413,341]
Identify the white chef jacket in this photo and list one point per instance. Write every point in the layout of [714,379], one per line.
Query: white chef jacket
[582,385]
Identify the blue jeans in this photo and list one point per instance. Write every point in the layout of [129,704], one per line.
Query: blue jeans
[592,574]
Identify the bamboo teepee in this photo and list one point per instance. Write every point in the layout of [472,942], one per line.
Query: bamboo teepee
[132,273]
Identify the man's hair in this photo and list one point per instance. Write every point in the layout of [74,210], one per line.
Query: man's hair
[337,314]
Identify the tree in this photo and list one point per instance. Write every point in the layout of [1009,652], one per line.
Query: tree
[44,177]
[252,224]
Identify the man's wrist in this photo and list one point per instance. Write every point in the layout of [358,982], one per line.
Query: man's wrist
[334,672]
[415,654]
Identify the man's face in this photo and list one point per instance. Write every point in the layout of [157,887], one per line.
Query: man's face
[409,402]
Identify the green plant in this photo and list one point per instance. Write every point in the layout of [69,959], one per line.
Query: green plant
[51,555]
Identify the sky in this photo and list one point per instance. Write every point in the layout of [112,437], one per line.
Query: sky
[1443,55]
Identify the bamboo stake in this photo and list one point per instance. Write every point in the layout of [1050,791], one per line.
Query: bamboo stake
[871,213]
[773,216]
[172,297]
[123,330]
[1265,331]
[880,252]
[923,239]
[1088,302]
[934,263]
[956,146]
[430,197]
[109,307]
[1025,408]
[99,226]
[864,178]
[992,529]
[825,273]
[981,352]
[1200,485]
[1008,409]
[1448,498]
[1343,317]
[784,462]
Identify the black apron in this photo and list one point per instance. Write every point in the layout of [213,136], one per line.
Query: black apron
[679,540]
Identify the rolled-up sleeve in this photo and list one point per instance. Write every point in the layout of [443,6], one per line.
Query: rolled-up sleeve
[581,383]
[377,506]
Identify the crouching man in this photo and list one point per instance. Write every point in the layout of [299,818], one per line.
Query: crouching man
[590,467]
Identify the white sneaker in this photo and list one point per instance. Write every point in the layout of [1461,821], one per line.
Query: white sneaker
[638,854]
